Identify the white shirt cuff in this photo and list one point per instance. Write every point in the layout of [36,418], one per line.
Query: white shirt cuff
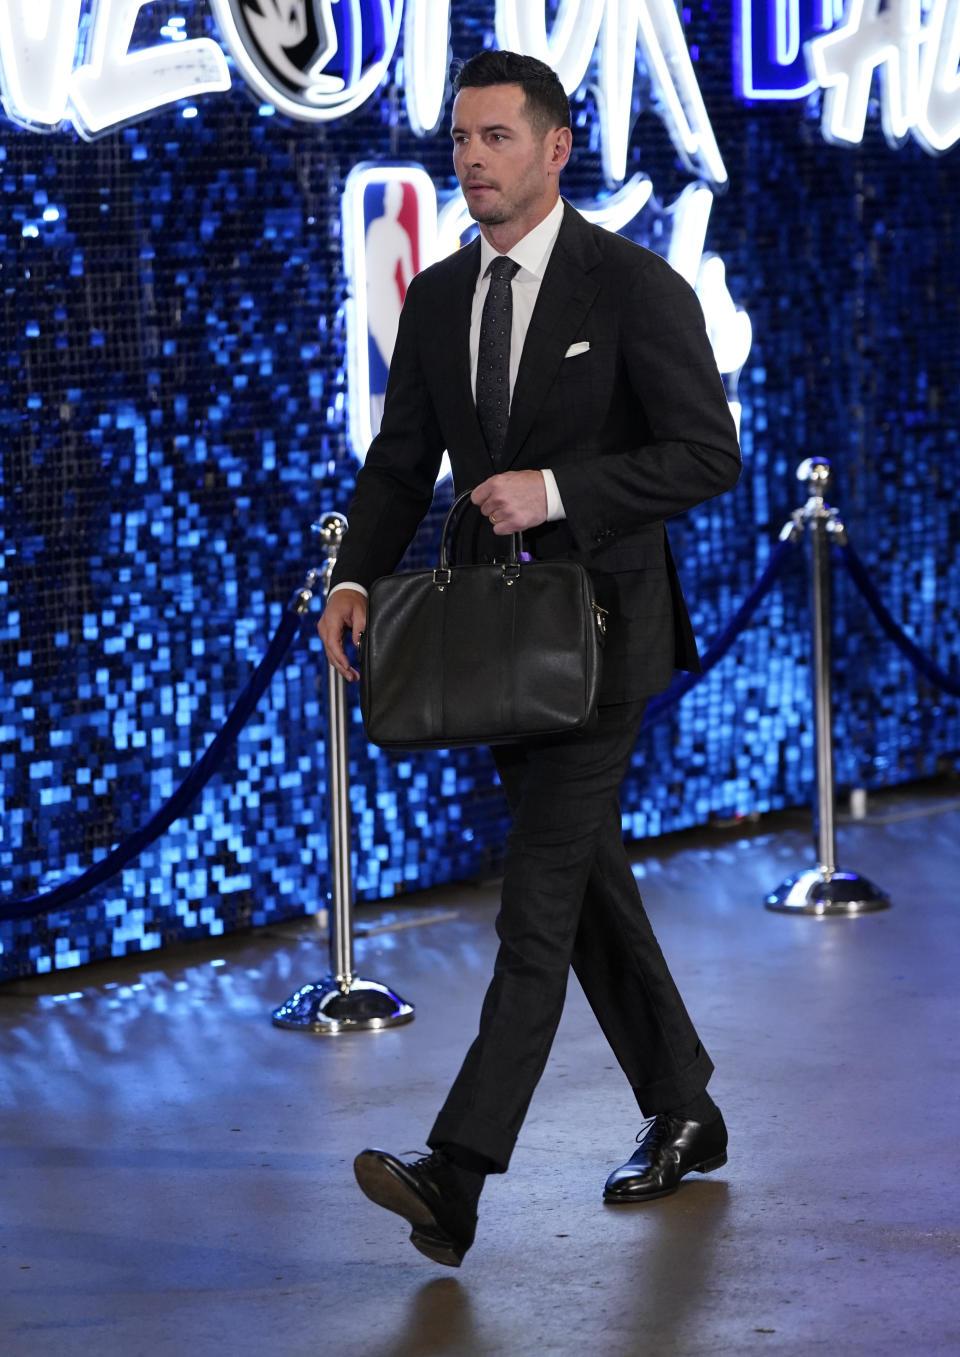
[348,584]
[555,509]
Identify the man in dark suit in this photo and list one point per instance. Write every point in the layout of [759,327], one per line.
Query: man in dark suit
[569,373]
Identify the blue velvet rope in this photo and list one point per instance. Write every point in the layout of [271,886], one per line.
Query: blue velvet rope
[937,676]
[658,706]
[199,775]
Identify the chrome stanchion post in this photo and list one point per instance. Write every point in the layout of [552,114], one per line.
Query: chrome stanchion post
[822,889]
[341,1001]
[822,521]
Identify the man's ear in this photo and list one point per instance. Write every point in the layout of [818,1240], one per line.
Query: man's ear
[560,144]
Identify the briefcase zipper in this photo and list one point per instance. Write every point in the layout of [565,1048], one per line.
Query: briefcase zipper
[600,615]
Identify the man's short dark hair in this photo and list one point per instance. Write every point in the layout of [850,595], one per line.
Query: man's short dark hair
[545,104]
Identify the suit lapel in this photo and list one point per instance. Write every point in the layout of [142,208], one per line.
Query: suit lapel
[566,295]
[454,335]
[450,354]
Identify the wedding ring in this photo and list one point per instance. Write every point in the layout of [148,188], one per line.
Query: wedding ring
[493,518]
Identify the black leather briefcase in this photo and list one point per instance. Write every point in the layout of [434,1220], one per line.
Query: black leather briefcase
[479,654]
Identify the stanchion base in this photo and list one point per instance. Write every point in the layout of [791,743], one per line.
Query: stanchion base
[818,892]
[324,1007]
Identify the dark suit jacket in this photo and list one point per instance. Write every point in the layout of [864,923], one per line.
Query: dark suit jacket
[635,429]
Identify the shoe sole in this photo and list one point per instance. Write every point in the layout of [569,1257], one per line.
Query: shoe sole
[707,1166]
[437,1247]
[379,1183]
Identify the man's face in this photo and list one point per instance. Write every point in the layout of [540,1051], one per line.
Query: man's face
[508,171]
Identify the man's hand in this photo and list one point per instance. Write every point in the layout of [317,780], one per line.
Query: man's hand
[512,501]
[346,610]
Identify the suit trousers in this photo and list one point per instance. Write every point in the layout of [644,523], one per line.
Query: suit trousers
[570,898]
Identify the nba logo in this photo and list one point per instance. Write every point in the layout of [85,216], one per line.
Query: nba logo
[389,234]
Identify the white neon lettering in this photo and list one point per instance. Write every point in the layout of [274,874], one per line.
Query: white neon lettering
[912,45]
[619,209]
[665,50]
[521,26]
[844,62]
[36,57]
[620,26]
[729,327]
[116,85]
[618,69]
[426,41]
[453,221]
[938,126]
[691,215]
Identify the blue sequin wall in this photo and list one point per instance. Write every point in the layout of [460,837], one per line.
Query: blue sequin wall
[172,406]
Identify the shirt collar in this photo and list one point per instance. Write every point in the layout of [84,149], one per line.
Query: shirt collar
[533,252]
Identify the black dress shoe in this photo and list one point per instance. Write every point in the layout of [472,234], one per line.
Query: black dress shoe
[670,1148]
[429,1194]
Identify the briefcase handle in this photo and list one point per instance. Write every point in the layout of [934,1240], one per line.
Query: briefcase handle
[514,547]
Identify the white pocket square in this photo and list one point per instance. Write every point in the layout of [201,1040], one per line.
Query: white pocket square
[582,347]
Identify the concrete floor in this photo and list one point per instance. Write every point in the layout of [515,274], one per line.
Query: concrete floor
[175,1172]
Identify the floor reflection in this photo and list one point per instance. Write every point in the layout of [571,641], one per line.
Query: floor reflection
[439,1319]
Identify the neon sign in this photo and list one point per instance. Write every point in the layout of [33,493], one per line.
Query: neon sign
[311,59]
[40,86]
[789,48]
[318,60]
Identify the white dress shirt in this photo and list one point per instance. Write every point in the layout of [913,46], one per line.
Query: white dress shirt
[532,253]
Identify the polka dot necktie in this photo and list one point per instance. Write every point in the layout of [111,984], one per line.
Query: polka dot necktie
[493,355]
